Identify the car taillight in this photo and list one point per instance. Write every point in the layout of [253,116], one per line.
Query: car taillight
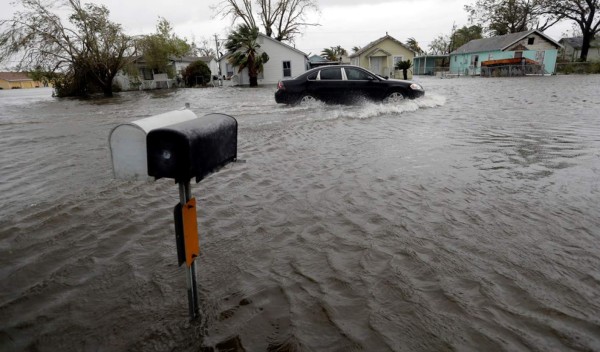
[280,86]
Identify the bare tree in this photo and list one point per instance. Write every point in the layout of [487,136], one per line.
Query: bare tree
[282,20]
[585,13]
[206,47]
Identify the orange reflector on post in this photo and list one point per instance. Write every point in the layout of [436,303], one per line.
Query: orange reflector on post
[190,231]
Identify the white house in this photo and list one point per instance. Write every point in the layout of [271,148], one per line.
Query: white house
[572,49]
[147,78]
[285,62]
[181,63]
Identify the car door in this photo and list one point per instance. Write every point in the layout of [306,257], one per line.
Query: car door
[364,84]
[330,86]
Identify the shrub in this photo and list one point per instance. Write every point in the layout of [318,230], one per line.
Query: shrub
[196,73]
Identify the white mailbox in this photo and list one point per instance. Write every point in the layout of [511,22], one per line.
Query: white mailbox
[128,143]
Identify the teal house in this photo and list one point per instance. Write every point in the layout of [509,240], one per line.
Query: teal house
[532,45]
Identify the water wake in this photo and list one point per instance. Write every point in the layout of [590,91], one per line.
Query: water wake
[369,109]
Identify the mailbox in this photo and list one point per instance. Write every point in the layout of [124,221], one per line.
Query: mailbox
[192,148]
[128,143]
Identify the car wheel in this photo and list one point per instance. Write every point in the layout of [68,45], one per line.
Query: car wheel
[394,97]
[306,99]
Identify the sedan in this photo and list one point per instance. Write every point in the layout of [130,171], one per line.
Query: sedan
[344,84]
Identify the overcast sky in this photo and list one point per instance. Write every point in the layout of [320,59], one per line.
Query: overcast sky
[341,22]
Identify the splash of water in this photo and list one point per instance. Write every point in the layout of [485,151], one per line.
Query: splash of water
[369,109]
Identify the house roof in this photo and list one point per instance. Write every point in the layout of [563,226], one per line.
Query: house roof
[192,58]
[15,76]
[577,42]
[376,42]
[273,40]
[316,58]
[372,52]
[501,42]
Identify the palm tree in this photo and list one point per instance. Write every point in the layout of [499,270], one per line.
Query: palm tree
[404,66]
[333,53]
[329,54]
[414,45]
[242,42]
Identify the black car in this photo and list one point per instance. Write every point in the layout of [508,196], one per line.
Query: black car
[344,84]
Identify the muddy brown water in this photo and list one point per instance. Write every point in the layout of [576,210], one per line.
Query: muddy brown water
[468,220]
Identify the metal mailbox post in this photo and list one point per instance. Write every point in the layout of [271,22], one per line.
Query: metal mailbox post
[180,146]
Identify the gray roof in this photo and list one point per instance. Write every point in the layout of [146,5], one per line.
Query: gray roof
[191,59]
[577,42]
[317,58]
[501,42]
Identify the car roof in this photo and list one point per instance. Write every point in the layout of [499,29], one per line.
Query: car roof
[332,66]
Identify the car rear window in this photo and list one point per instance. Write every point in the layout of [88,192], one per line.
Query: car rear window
[331,73]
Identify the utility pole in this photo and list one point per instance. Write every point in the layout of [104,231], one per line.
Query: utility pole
[218,55]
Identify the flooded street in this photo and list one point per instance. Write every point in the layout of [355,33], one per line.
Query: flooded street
[468,220]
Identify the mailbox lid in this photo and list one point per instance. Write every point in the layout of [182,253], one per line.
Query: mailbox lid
[128,143]
[192,148]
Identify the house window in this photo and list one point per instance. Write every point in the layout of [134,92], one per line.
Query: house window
[287,69]
[398,59]
[147,74]
[530,41]
[474,60]
[518,54]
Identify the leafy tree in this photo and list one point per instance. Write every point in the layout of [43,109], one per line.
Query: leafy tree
[414,46]
[86,54]
[195,73]
[333,53]
[281,19]
[159,48]
[585,13]
[243,45]
[500,17]
[404,66]
[355,49]
[444,44]
[464,35]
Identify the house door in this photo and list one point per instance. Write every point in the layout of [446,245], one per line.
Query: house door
[539,57]
[376,65]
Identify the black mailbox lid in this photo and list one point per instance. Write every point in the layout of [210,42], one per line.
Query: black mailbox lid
[193,148]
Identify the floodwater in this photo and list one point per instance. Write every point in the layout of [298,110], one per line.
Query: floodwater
[468,220]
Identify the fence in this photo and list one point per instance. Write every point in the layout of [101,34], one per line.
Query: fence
[512,70]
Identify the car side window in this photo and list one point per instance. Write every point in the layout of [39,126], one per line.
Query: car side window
[312,76]
[331,74]
[356,75]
